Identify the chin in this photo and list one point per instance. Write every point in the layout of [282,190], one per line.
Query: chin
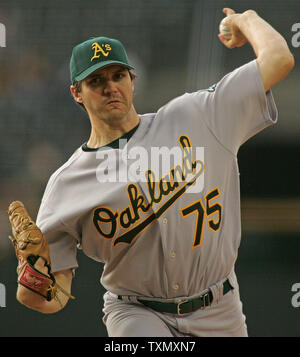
[115,116]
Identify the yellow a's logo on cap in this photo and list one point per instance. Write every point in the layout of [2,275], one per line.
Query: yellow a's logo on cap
[98,49]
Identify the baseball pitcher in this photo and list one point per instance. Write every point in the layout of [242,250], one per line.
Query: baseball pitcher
[167,230]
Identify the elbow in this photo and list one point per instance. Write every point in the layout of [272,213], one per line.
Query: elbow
[281,65]
[291,62]
[277,62]
[287,63]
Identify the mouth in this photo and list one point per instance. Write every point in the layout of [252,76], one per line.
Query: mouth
[114,101]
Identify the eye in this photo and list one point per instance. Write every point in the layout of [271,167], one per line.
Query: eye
[95,81]
[119,75]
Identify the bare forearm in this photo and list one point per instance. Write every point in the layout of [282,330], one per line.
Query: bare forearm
[274,58]
[273,55]
[261,35]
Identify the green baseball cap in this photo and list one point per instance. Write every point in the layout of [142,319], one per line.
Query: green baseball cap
[96,53]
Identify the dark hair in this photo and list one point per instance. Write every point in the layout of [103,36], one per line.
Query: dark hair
[77,85]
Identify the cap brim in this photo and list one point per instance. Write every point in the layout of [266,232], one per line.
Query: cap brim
[99,65]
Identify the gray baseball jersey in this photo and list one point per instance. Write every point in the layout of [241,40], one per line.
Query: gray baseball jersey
[158,236]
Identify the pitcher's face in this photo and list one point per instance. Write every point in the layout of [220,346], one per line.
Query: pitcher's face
[107,93]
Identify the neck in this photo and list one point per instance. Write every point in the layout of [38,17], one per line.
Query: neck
[104,132]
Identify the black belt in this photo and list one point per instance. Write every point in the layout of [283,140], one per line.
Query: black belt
[184,306]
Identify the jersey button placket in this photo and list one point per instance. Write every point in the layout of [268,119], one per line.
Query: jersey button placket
[172,253]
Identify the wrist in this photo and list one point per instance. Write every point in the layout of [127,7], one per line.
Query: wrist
[246,17]
[249,13]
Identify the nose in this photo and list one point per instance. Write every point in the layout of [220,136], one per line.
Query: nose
[110,87]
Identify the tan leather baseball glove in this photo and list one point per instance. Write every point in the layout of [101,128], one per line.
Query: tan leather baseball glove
[30,245]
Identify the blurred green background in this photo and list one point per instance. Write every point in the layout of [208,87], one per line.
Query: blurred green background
[174,47]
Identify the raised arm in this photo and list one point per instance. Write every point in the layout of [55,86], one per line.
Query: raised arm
[274,58]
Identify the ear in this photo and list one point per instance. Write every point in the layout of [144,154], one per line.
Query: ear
[76,95]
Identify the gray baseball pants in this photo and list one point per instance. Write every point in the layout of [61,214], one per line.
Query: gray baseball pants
[223,318]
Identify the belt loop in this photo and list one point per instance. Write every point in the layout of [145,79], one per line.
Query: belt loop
[217,288]
[217,291]
[232,279]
